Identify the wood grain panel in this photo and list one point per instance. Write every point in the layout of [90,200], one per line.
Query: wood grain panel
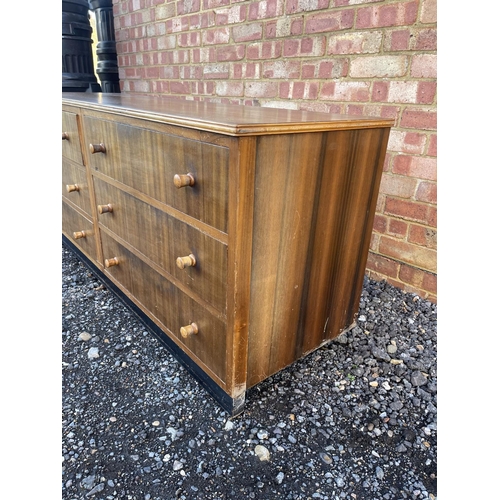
[148,161]
[350,178]
[163,239]
[71,145]
[170,308]
[73,221]
[285,184]
[73,174]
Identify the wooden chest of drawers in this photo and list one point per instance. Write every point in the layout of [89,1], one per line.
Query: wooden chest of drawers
[239,234]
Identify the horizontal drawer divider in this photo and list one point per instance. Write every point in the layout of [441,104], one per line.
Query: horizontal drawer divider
[211,231]
[187,291]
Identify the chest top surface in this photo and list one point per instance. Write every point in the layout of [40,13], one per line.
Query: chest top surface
[230,119]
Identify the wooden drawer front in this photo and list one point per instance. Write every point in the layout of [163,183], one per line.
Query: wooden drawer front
[162,238]
[79,230]
[169,305]
[71,144]
[75,186]
[148,161]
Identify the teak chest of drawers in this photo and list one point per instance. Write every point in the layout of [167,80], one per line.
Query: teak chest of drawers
[239,234]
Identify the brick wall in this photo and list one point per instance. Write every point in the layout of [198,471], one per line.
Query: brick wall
[369,57]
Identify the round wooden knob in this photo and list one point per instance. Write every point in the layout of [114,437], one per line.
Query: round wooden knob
[72,187]
[97,148]
[187,331]
[79,234]
[188,261]
[65,136]
[111,262]
[103,209]
[183,180]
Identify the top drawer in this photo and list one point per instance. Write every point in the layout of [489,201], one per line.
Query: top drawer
[149,161]
[71,141]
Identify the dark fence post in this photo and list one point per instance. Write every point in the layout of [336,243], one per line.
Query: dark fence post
[77,64]
[107,62]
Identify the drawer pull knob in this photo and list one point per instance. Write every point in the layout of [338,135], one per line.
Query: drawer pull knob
[183,180]
[97,148]
[188,261]
[187,331]
[79,234]
[65,136]
[72,187]
[103,209]
[111,262]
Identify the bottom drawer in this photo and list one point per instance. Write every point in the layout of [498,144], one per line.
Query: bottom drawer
[79,230]
[170,308]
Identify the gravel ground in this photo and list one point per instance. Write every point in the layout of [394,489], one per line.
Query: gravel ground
[356,419]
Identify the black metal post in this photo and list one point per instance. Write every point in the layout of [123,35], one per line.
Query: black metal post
[77,63]
[107,62]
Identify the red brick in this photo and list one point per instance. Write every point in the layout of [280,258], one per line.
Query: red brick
[426,192]
[397,40]
[191,72]
[423,236]
[382,265]
[298,90]
[432,151]
[432,219]
[426,92]
[245,71]
[203,88]
[414,255]
[424,282]
[180,88]
[345,91]
[429,284]
[408,210]
[153,72]
[419,119]
[325,69]
[416,166]
[425,39]
[396,14]
[397,228]
[231,53]
[264,50]
[380,223]
[216,36]
[380,91]
[291,48]
[332,21]
[189,39]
